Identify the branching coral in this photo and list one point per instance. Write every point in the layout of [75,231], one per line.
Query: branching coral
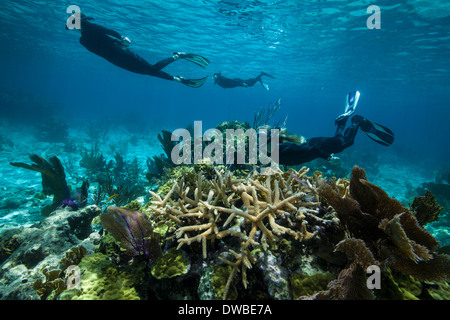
[256,210]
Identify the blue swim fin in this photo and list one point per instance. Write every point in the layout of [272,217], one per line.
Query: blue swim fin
[351,102]
[378,133]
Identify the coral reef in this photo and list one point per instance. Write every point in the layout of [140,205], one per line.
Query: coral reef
[93,160]
[116,179]
[304,285]
[255,211]
[209,232]
[52,283]
[381,231]
[53,179]
[102,280]
[48,244]
[172,264]
[426,209]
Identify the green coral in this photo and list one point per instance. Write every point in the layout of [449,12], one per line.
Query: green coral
[102,280]
[190,174]
[398,286]
[409,287]
[304,285]
[172,264]
[163,228]
[219,280]
[213,282]
[134,205]
[439,291]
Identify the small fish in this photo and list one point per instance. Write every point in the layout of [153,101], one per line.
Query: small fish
[112,197]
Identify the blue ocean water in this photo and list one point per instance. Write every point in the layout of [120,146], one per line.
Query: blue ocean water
[316,50]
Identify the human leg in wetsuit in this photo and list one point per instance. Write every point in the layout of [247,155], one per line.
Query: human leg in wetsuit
[105,43]
[225,82]
[320,147]
[324,147]
[251,82]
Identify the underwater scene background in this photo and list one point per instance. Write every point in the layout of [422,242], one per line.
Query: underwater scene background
[180,228]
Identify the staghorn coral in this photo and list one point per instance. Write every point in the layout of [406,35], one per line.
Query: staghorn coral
[256,211]
[386,232]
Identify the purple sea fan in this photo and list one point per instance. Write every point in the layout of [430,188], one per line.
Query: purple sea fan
[133,230]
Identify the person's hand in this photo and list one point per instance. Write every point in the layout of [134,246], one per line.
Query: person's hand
[125,41]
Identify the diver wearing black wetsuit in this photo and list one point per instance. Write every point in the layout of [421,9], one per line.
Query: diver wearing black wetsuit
[320,147]
[226,83]
[325,147]
[110,45]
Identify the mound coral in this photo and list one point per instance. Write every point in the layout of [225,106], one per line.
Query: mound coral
[256,211]
[102,280]
[172,264]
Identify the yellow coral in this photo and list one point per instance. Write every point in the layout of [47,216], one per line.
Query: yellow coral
[303,285]
[101,280]
[172,264]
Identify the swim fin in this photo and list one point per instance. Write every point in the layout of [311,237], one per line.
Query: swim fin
[267,75]
[262,83]
[195,58]
[377,132]
[193,83]
[266,86]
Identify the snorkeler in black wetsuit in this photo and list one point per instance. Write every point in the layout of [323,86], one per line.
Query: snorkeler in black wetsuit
[110,45]
[325,147]
[225,82]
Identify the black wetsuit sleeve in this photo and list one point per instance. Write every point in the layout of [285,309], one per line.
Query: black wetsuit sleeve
[92,28]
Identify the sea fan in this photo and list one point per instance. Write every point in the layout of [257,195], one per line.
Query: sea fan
[133,230]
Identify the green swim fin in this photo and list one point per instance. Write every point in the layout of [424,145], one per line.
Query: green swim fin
[195,58]
[377,132]
[193,83]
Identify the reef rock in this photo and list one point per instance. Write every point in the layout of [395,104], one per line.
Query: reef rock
[44,244]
